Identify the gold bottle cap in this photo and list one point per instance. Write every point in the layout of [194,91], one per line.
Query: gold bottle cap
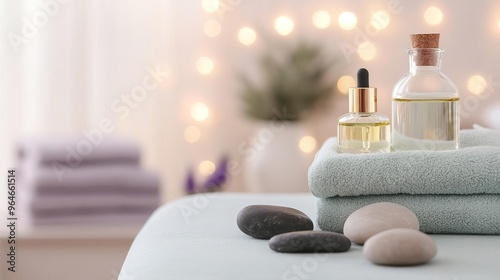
[363,98]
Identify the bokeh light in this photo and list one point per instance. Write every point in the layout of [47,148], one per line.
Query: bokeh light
[206,167]
[367,51]
[204,65]
[192,134]
[211,28]
[210,5]
[347,20]
[247,36]
[321,19]
[433,16]
[307,144]
[380,19]
[344,83]
[283,25]
[476,84]
[491,115]
[199,112]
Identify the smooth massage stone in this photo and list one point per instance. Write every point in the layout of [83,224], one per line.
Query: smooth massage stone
[400,247]
[266,221]
[374,218]
[309,241]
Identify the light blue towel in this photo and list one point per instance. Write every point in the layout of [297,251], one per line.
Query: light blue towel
[479,136]
[457,214]
[472,169]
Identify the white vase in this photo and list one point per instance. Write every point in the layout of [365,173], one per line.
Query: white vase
[275,162]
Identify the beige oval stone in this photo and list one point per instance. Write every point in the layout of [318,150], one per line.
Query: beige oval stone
[400,247]
[374,218]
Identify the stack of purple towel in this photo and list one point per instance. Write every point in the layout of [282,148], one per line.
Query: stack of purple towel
[76,180]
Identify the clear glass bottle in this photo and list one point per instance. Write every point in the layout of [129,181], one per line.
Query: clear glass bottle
[363,130]
[364,133]
[425,105]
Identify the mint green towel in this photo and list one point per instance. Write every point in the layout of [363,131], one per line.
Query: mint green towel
[472,169]
[457,214]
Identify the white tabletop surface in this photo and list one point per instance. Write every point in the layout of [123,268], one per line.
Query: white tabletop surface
[197,238]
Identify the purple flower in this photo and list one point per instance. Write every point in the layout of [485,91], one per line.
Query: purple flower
[215,181]
[190,182]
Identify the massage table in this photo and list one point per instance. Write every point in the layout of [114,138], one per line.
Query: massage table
[196,237]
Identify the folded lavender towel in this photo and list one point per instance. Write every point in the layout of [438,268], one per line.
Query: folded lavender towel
[73,150]
[90,179]
[472,169]
[90,203]
[93,219]
[88,212]
[80,209]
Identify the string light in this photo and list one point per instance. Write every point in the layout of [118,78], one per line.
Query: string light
[283,25]
[321,19]
[347,20]
[247,36]
[344,83]
[206,167]
[433,15]
[476,84]
[307,144]
[192,134]
[212,28]
[380,19]
[210,5]
[199,112]
[204,65]
[367,51]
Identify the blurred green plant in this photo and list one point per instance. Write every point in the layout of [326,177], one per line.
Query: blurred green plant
[294,81]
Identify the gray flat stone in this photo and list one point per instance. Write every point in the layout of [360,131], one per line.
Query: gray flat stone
[310,242]
[266,221]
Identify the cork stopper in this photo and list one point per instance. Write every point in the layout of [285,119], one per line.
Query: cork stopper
[425,41]
[426,56]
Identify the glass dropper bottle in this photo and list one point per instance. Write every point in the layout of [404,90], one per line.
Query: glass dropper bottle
[363,130]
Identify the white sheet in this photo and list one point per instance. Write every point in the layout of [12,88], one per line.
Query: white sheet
[197,238]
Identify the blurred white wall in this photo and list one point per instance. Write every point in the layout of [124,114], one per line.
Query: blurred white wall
[78,66]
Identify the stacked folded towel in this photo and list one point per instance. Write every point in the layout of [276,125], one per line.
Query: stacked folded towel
[69,180]
[450,191]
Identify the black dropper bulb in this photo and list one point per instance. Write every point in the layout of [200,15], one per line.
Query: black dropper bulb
[363,80]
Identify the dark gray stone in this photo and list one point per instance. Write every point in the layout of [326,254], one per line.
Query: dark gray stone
[266,221]
[310,242]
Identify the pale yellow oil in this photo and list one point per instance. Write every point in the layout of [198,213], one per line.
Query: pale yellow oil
[425,124]
[364,137]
